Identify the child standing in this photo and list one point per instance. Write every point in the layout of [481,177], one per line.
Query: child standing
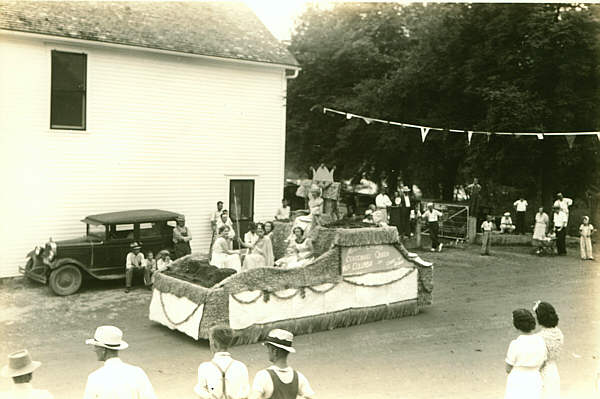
[486,240]
[585,240]
[149,268]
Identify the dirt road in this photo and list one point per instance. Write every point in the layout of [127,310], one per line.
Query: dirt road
[453,349]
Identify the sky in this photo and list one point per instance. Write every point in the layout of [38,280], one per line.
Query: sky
[278,16]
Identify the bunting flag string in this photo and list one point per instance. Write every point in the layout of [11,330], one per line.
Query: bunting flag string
[570,136]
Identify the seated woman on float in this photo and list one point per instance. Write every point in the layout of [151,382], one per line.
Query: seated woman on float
[223,255]
[261,251]
[299,251]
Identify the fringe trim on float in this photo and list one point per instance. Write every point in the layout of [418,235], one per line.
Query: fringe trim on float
[162,305]
[328,321]
[180,288]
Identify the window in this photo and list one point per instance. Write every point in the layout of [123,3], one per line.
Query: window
[67,98]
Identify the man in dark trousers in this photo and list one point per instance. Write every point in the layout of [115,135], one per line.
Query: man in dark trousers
[280,381]
[406,205]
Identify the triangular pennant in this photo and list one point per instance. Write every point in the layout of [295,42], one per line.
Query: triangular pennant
[349,116]
[598,135]
[570,140]
[368,121]
[469,136]
[489,135]
[540,136]
[424,131]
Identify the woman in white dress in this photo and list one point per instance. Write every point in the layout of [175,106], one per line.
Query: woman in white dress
[299,252]
[223,255]
[525,357]
[542,222]
[261,252]
[251,237]
[554,339]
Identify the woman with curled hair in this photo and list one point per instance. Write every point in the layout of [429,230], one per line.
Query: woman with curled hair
[525,357]
[554,339]
[223,255]
[299,251]
[261,252]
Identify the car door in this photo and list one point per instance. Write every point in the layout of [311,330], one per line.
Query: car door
[116,248]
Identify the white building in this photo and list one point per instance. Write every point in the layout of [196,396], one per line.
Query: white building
[110,106]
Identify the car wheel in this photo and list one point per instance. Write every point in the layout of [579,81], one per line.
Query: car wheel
[65,280]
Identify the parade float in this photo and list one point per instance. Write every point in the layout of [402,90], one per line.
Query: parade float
[360,274]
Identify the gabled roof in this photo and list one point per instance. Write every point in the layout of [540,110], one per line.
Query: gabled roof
[217,29]
[133,216]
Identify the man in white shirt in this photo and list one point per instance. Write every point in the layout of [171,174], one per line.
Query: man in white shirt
[279,380]
[214,217]
[222,377]
[382,201]
[116,379]
[20,368]
[134,261]
[283,213]
[560,221]
[432,217]
[564,204]
[521,207]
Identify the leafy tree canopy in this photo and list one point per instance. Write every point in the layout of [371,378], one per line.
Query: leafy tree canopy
[491,67]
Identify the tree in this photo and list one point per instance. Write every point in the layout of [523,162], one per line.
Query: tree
[491,67]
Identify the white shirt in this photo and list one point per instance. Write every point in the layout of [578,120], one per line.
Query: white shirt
[215,216]
[432,215]
[229,224]
[560,219]
[262,387]
[250,238]
[382,201]
[283,213]
[527,351]
[210,384]
[25,391]
[521,205]
[134,260]
[406,199]
[564,205]
[487,226]
[118,380]
[162,264]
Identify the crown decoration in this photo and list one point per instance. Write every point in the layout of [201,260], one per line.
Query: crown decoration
[323,174]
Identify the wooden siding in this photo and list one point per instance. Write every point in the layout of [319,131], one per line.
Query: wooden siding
[162,132]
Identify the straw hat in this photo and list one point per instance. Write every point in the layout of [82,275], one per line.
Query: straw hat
[506,213]
[135,245]
[19,363]
[281,338]
[109,337]
[406,189]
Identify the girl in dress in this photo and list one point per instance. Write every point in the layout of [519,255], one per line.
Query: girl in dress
[250,237]
[554,339]
[223,255]
[542,221]
[300,251]
[585,239]
[261,252]
[525,357]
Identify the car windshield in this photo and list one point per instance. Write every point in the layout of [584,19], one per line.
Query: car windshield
[97,230]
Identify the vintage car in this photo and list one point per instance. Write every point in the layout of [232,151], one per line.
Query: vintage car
[101,253]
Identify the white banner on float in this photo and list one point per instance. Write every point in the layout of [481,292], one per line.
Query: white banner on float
[361,291]
[178,310]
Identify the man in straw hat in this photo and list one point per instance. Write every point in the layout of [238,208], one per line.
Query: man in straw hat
[280,381]
[222,377]
[135,260]
[20,368]
[116,379]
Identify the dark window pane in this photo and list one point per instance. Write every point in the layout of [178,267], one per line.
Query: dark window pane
[67,109]
[68,71]
[68,90]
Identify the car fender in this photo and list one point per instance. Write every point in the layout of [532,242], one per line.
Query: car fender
[68,261]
